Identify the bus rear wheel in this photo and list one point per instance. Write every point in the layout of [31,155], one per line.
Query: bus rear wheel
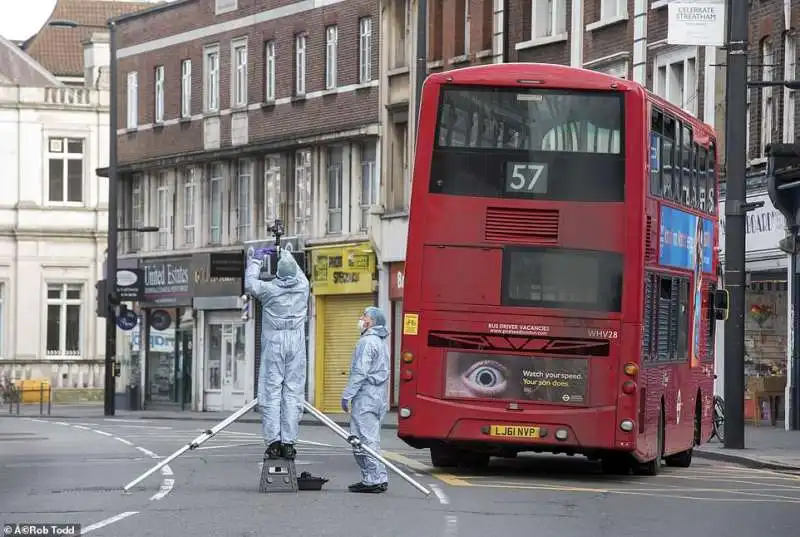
[653,467]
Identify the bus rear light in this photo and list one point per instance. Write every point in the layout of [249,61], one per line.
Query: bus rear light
[405,412]
[626,425]
[407,375]
[629,387]
[561,434]
[408,357]
[631,369]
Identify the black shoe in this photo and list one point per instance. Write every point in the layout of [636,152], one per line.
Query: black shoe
[288,451]
[372,489]
[273,451]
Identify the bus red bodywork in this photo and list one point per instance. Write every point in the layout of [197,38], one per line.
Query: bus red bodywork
[525,317]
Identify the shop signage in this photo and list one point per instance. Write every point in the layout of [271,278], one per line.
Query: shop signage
[217,274]
[765,227]
[167,281]
[160,341]
[699,23]
[130,284]
[397,276]
[343,270]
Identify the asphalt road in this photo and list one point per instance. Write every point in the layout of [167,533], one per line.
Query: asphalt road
[73,471]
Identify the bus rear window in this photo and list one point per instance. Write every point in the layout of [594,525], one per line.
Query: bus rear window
[530,143]
[562,278]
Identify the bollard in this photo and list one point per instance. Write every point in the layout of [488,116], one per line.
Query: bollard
[49,398]
[41,399]
[17,396]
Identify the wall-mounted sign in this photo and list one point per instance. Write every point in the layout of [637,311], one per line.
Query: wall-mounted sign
[127,320]
[130,284]
[343,270]
[160,319]
[224,279]
[167,281]
[765,227]
[397,277]
[698,23]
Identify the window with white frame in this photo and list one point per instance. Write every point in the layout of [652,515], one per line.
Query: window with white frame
[2,320]
[401,14]
[272,190]
[159,90]
[365,50]
[189,200]
[269,71]
[65,170]
[64,304]
[369,182]
[618,69]
[466,27]
[767,101]
[300,65]
[243,197]
[335,185]
[549,18]
[239,74]
[215,204]
[186,88]
[610,9]
[211,83]
[225,6]
[137,211]
[331,46]
[790,106]
[162,210]
[676,79]
[302,193]
[133,100]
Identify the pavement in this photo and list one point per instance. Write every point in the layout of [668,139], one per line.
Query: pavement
[73,470]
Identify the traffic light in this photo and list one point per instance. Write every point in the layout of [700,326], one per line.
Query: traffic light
[783,181]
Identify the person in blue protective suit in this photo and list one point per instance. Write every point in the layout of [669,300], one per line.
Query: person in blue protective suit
[366,397]
[282,374]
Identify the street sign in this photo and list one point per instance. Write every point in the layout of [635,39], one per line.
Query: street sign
[699,23]
[130,284]
[127,320]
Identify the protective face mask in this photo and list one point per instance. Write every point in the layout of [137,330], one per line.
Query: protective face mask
[361,324]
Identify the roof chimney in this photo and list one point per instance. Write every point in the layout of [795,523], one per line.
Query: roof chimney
[96,60]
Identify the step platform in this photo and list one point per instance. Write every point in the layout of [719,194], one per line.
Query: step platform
[278,475]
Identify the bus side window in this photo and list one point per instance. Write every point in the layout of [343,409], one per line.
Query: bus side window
[702,178]
[686,165]
[677,168]
[656,128]
[711,182]
[683,320]
[667,157]
[695,173]
[663,319]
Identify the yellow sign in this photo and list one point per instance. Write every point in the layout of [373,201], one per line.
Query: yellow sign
[514,431]
[410,324]
[343,270]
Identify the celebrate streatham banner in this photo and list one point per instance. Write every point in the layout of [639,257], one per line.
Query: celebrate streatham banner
[696,23]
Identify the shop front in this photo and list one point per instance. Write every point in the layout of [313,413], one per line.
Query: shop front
[766,336]
[396,280]
[344,282]
[168,325]
[223,365]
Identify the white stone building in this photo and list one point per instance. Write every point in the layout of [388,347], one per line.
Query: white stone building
[53,219]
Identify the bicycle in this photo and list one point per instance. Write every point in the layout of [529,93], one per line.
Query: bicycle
[718,419]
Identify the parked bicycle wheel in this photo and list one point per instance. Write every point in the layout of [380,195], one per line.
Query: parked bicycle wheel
[719,418]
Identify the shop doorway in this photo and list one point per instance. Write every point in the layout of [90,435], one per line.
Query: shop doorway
[226,366]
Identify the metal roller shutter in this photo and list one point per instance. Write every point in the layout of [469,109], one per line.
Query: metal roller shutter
[340,337]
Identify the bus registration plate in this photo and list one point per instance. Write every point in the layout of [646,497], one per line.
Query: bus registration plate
[514,431]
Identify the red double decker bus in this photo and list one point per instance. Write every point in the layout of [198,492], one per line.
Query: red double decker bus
[561,276]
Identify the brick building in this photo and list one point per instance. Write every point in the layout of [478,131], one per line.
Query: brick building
[233,113]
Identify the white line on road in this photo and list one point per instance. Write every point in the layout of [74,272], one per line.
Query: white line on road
[38,421]
[160,427]
[439,494]
[146,451]
[451,526]
[126,420]
[227,446]
[309,442]
[102,432]
[166,488]
[106,522]
[166,470]
[82,427]
[61,423]
[118,439]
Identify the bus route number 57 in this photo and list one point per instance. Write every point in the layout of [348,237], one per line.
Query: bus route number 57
[526,178]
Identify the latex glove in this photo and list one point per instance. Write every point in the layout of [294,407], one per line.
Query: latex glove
[345,402]
[261,253]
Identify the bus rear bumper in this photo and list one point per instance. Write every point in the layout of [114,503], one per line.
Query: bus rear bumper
[588,431]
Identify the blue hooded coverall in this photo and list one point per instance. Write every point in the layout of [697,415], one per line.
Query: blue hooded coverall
[282,374]
[368,392]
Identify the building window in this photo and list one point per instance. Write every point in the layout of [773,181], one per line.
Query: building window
[397,194]
[401,29]
[64,319]
[186,88]
[302,193]
[300,65]
[790,106]
[610,9]
[133,100]
[617,69]
[212,79]
[269,71]
[65,170]
[162,210]
[676,79]
[365,50]
[137,212]
[189,189]
[272,191]
[335,184]
[466,26]
[549,18]
[369,182]
[331,43]
[243,191]
[159,90]
[225,6]
[767,101]
[2,320]
[240,74]
[215,202]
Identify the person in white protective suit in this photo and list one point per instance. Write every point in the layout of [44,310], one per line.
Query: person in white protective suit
[366,397]
[282,373]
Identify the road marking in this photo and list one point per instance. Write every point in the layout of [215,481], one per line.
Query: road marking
[127,443]
[147,452]
[81,427]
[126,420]
[439,494]
[166,470]
[102,432]
[451,526]
[166,488]
[164,428]
[61,423]
[106,522]
[38,421]
[227,446]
